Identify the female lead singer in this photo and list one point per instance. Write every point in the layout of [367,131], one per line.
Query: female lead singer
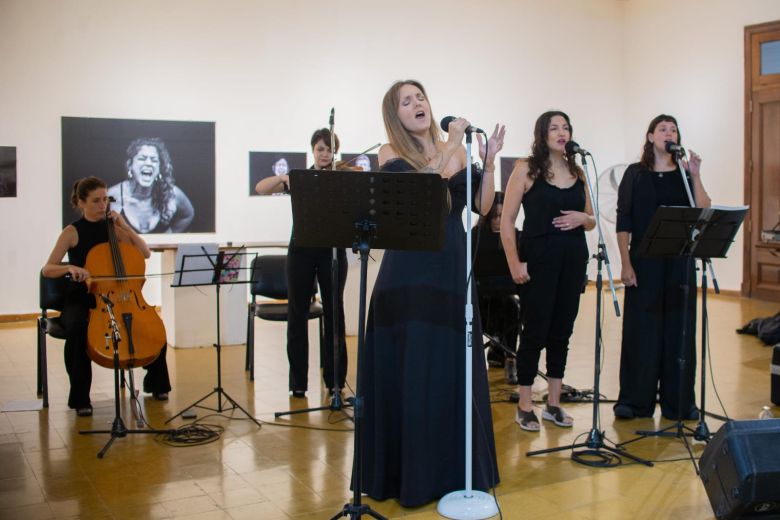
[653,305]
[415,334]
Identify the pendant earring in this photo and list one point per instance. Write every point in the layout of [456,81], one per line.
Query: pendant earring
[129,174]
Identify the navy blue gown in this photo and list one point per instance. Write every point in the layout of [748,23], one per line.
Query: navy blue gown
[414,371]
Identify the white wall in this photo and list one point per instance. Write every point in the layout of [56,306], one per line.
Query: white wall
[268,72]
[687,59]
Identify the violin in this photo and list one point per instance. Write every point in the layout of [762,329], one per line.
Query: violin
[344,166]
[118,276]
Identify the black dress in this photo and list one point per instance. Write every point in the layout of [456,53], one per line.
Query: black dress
[414,369]
[652,311]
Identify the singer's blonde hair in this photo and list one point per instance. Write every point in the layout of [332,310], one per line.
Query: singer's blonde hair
[407,146]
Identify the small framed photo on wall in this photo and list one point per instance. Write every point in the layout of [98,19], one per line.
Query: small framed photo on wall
[7,171]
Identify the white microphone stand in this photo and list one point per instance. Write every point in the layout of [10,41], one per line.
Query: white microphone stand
[467,504]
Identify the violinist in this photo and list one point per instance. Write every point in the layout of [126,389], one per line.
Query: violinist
[90,195]
[303,265]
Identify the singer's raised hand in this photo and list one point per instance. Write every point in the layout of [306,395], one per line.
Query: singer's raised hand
[495,144]
[693,164]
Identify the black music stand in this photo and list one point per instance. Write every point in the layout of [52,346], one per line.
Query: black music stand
[362,210]
[223,269]
[691,233]
[118,428]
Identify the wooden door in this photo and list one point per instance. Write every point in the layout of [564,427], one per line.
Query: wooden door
[761,269]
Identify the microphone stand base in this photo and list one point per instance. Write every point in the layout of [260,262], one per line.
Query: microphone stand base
[462,505]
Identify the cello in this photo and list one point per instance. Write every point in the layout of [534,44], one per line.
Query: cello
[117,274]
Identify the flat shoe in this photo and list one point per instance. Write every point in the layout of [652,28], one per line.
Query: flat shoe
[162,396]
[557,416]
[84,412]
[527,420]
[623,411]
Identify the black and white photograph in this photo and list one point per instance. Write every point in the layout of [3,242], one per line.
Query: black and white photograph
[7,171]
[267,164]
[367,162]
[160,173]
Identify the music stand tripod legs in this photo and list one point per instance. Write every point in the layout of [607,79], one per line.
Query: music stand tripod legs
[218,267]
[337,402]
[118,428]
[356,509]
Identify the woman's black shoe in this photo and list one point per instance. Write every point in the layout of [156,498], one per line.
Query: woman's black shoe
[623,411]
[300,394]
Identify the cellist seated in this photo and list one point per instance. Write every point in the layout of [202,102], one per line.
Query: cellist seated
[90,195]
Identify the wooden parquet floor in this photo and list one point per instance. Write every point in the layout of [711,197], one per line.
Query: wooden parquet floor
[298,467]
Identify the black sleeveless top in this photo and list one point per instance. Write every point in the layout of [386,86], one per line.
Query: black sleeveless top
[544,201]
[90,235]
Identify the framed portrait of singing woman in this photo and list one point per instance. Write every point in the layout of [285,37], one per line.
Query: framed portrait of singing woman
[160,173]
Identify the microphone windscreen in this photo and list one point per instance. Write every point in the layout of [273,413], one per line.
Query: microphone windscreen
[571,147]
[445,123]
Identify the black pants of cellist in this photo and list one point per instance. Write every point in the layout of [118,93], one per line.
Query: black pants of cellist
[75,316]
[303,264]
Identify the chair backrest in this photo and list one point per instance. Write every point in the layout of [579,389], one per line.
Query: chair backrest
[269,276]
[51,292]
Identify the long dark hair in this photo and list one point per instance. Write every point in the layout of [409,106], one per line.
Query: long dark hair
[163,195]
[484,220]
[83,187]
[648,152]
[539,161]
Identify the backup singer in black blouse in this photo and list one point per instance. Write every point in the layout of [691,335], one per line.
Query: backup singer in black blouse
[652,309]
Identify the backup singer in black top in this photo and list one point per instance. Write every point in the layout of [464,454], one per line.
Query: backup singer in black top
[303,265]
[551,261]
[91,197]
[652,309]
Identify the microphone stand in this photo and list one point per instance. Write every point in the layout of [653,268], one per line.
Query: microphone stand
[467,503]
[702,431]
[595,441]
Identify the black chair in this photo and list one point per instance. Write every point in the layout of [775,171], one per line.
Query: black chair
[269,279]
[51,296]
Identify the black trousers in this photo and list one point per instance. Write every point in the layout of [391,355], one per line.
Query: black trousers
[501,319]
[74,318]
[304,264]
[550,302]
[652,339]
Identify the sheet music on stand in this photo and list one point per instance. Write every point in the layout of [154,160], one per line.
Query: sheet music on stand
[206,264]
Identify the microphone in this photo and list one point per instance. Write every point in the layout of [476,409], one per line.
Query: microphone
[445,125]
[573,148]
[674,149]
